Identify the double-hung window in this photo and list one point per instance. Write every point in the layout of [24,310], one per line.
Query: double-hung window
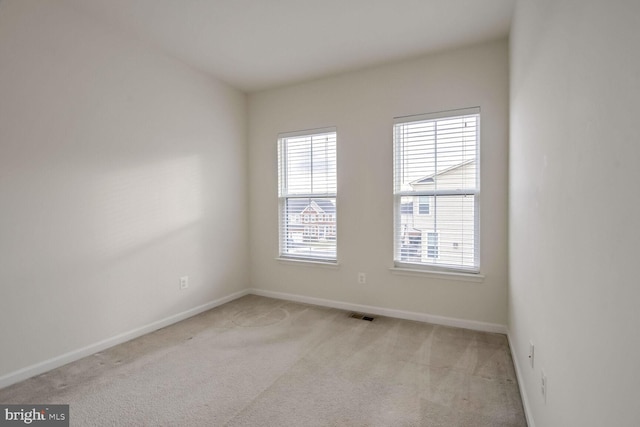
[436,167]
[307,195]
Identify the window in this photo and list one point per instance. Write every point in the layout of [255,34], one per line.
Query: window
[424,205]
[436,166]
[432,244]
[407,208]
[307,194]
[412,248]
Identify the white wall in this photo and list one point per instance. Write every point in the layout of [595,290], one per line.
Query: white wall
[574,209]
[362,105]
[120,170]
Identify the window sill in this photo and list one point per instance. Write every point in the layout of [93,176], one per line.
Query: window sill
[308,262]
[446,275]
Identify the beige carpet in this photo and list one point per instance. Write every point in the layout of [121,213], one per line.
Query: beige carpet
[264,362]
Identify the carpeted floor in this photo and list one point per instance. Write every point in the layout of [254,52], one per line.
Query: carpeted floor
[264,362]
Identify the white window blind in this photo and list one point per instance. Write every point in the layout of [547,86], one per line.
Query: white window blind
[307,194]
[437,190]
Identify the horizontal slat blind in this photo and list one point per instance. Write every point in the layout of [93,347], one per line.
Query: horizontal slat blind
[307,193]
[436,190]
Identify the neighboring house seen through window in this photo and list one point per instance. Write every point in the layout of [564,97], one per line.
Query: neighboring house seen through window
[433,241]
[407,208]
[424,205]
[307,194]
[436,167]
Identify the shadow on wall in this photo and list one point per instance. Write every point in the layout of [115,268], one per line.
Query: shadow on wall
[136,206]
[66,220]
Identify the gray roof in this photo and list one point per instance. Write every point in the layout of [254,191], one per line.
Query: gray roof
[298,205]
[429,179]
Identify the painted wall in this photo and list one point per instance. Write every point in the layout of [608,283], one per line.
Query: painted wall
[574,209]
[120,171]
[362,106]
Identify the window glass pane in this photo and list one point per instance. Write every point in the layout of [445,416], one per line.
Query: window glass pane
[298,167]
[436,154]
[310,164]
[310,228]
[445,237]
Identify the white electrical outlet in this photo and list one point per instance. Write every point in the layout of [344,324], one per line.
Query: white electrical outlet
[362,278]
[543,385]
[531,353]
[184,282]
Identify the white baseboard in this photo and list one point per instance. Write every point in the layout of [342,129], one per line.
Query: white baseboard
[523,392]
[389,312]
[56,362]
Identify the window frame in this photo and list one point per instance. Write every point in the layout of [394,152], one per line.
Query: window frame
[399,263]
[284,196]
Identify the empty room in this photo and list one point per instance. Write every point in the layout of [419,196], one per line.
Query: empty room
[319,213]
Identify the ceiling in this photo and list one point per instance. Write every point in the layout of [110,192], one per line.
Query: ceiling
[260,44]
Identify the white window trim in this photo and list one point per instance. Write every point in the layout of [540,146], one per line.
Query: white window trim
[445,275]
[308,262]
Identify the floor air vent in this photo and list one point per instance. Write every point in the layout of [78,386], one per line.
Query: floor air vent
[361,317]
